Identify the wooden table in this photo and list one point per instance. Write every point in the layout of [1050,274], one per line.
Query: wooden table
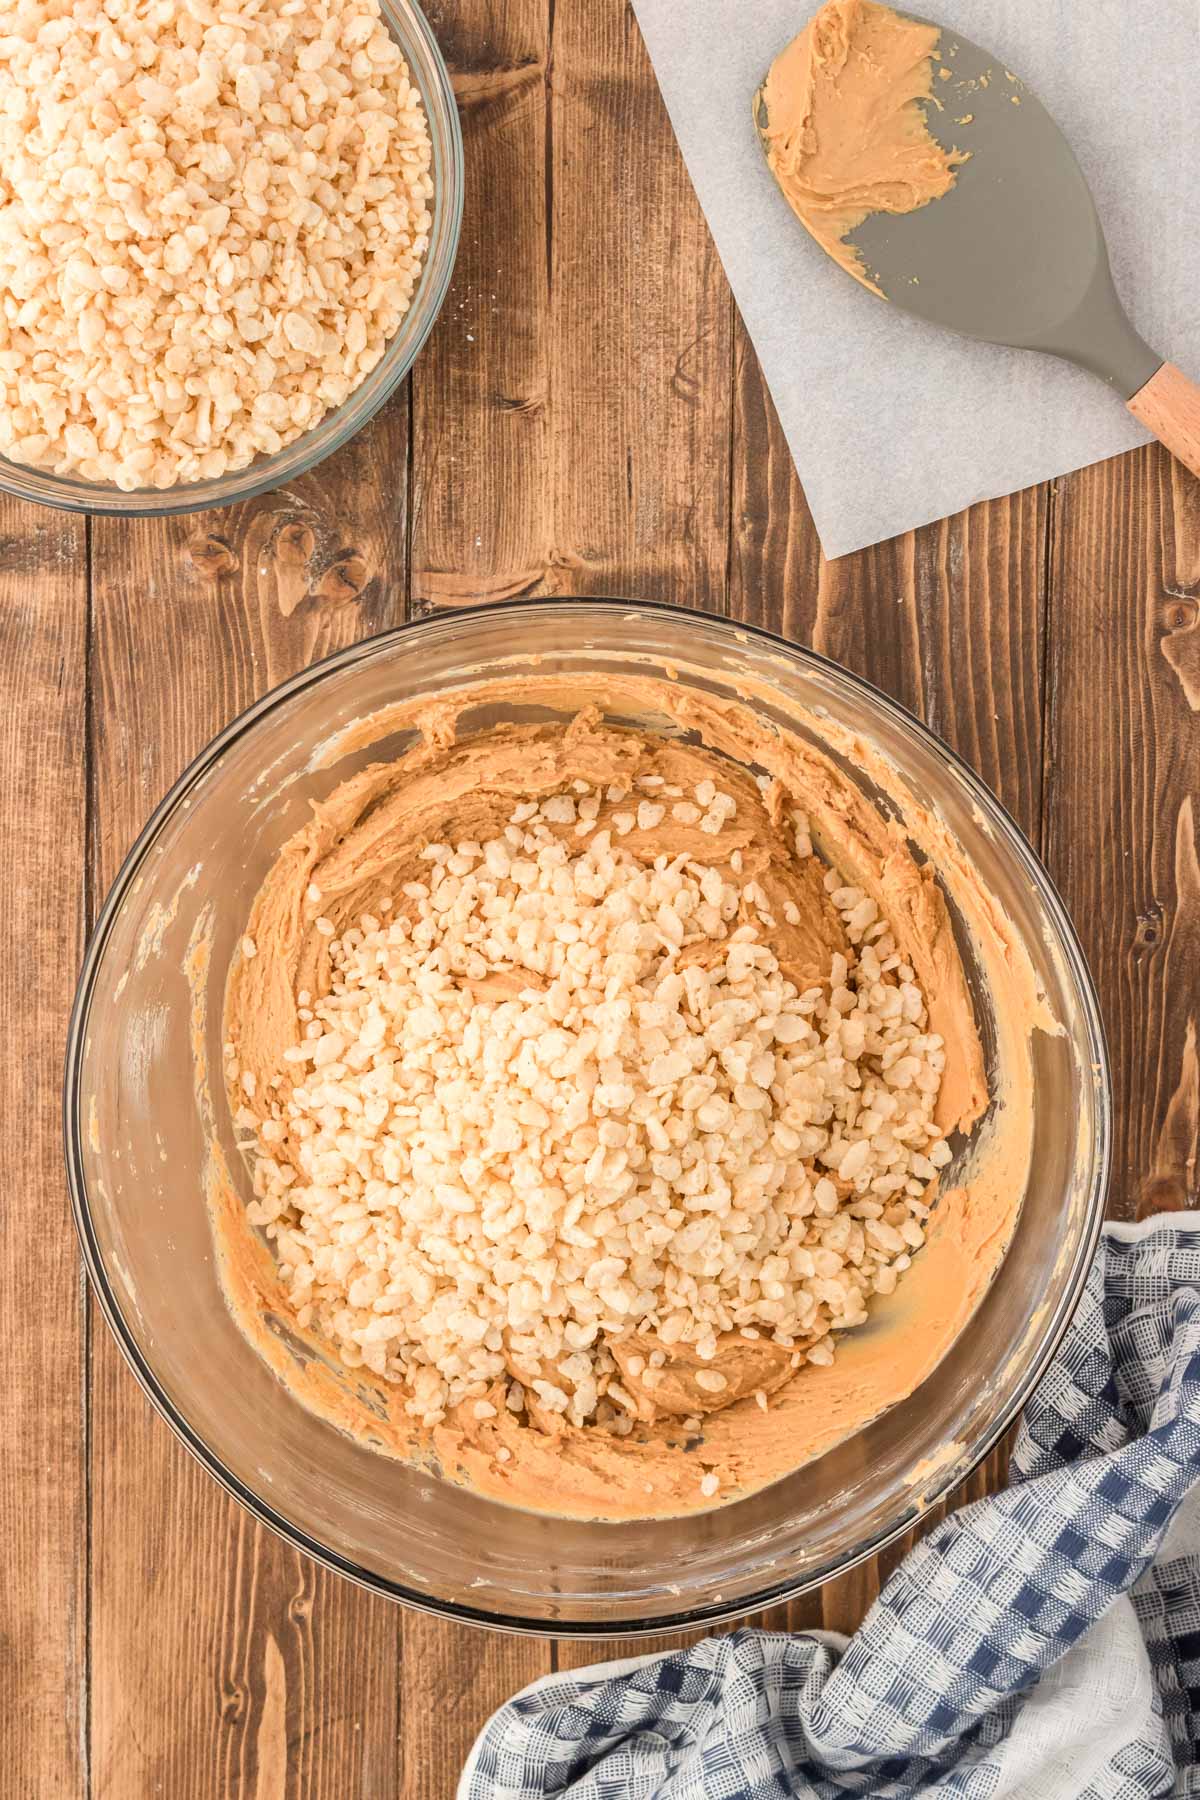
[588,418]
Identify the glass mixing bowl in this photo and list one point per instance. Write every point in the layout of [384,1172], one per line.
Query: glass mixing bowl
[427,70]
[136,1145]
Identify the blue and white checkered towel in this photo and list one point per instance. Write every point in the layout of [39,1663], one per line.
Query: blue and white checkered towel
[1043,1644]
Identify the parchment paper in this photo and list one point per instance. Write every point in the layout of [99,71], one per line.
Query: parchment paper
[892,422]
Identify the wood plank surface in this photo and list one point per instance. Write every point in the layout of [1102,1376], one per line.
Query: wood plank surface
[223,1662]
[571,414]
[641,332]
[454,1677]
[588,417]
[482,507]
[1122,791]
[43,1327]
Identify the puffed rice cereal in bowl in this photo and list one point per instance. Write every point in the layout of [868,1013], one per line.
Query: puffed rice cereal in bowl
[213,220]
[597,1084]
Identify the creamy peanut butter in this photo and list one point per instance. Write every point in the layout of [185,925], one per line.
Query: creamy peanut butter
[841,121]
[460,782]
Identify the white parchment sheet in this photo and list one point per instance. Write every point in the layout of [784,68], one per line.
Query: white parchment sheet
[892,422]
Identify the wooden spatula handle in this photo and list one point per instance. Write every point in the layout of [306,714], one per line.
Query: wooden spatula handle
[1169,406]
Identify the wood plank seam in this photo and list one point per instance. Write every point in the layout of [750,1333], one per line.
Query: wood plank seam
[1046,650]
[43,1623]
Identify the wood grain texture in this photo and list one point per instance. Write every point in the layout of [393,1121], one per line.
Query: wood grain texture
[641,332]
[454,1679]
[260,1674]
[43,1507]
[482,510]
[571,414]
[1121,785]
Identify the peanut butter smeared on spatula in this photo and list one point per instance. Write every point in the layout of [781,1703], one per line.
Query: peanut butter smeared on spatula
[843,127]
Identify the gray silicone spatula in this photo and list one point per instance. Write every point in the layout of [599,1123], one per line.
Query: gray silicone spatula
[1015,253]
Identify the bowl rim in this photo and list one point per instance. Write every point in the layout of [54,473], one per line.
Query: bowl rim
[73,494]
[516,1624]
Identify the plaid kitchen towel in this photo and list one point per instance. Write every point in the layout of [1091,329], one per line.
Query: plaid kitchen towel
[1043,1644]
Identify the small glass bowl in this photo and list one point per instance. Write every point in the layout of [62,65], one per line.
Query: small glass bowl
[427,70]
[140,1139]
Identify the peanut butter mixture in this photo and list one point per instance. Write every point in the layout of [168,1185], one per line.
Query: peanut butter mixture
[842,124]
[682,1445]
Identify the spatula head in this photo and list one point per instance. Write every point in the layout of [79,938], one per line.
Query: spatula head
[1014,253]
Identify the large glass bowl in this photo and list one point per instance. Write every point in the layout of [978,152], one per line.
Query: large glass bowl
[427,70]
[136,1144]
